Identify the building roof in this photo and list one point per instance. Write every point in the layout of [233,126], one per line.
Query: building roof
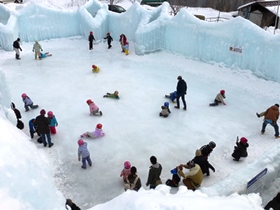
[264,3]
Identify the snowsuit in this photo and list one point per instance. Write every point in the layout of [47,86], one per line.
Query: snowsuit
[42,123]
[124,173]
[111,95]
[172,96]
[122,41]
[90,39]
[17,48]
[164,112]
[270,117]
[274,203]
[181,92]
[240,150]
[37,48]
[95,134]
[133,182]
[53,124]
[32,128]
[154,175]
[203,163]
[83,151]
[109,40]
[193,178]
[28,103]
[94,110]
[219,99]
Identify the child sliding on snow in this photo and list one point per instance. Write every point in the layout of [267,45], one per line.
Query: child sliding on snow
[93,108]
[172,96]
[112,95]
[219,98]
[83,151]
[165,110]
[95,134]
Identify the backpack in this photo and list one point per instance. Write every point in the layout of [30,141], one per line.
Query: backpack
[20,124]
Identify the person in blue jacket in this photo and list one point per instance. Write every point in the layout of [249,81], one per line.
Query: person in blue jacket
[44,55]
[172,96]
[32,128]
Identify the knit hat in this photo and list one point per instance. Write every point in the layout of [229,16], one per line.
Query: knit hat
[42,112]
[243,140]
[127,165]
[174,171]
[277,105]
[80,142]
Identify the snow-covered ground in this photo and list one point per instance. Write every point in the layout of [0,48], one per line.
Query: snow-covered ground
[134,131]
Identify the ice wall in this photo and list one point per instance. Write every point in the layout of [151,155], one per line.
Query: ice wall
[237,43]
[25,171]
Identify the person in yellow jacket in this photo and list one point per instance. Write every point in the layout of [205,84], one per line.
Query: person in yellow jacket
[194,177]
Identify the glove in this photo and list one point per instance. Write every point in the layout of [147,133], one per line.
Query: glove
[213,169]
[42,50]
[224,103]
[32,50]
[20,49]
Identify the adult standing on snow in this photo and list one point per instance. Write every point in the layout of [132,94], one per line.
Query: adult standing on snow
[181,92]
[37,48]
[270,117]
[42,123]
[154,173]
[90,40]
[17,48]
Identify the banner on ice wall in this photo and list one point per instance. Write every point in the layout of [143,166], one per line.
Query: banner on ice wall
[256,184]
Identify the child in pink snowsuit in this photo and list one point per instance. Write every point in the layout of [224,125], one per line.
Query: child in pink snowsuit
[126,170]
[95,134]
[93,108]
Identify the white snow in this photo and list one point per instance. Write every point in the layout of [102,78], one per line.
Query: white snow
[34,177]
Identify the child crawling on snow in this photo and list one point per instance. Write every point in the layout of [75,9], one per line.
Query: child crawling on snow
[93,108]
[95,134]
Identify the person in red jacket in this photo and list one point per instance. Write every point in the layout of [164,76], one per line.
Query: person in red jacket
[122,41]
[270,117]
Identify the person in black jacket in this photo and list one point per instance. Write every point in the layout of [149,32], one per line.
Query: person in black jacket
[90,39]
[181,92]
[20,124]
[154,173]
[42,123]
[17,48]
[207,149]
[109,40]
[203,163]
[70,203]
[274,203]
[240,150]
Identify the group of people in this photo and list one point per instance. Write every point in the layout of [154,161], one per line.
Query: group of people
[123,41]
[37,48]
[133,182]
